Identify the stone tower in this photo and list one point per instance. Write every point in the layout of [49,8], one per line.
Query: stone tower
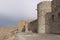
[43,9]
[49,17]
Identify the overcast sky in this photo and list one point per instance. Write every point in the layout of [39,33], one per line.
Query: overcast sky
[12,11]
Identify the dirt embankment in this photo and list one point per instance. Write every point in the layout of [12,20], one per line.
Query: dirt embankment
[7,33]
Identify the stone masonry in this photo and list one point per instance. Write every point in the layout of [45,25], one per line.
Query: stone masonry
[43,9]
[33,26]
[56,13]
[49,17]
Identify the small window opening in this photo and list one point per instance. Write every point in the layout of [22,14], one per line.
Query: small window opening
[59,15]
[52,17]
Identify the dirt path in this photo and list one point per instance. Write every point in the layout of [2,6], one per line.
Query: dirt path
[23,36]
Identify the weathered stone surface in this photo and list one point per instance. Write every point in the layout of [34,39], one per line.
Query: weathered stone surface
[56,12]
[56,2]
[21,25]
[49,16]
[33,26]
[43,9]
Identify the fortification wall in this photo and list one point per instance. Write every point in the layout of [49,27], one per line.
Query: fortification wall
[33,26]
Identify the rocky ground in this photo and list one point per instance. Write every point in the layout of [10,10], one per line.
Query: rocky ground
[31,36]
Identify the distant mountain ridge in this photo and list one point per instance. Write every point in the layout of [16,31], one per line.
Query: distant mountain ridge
[7,22]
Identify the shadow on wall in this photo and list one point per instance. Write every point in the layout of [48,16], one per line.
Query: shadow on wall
[48,23]
[33,26]
[51,23]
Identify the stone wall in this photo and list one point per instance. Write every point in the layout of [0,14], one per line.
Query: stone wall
[33,26]
[56,2]
[49,17]
[56,13]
